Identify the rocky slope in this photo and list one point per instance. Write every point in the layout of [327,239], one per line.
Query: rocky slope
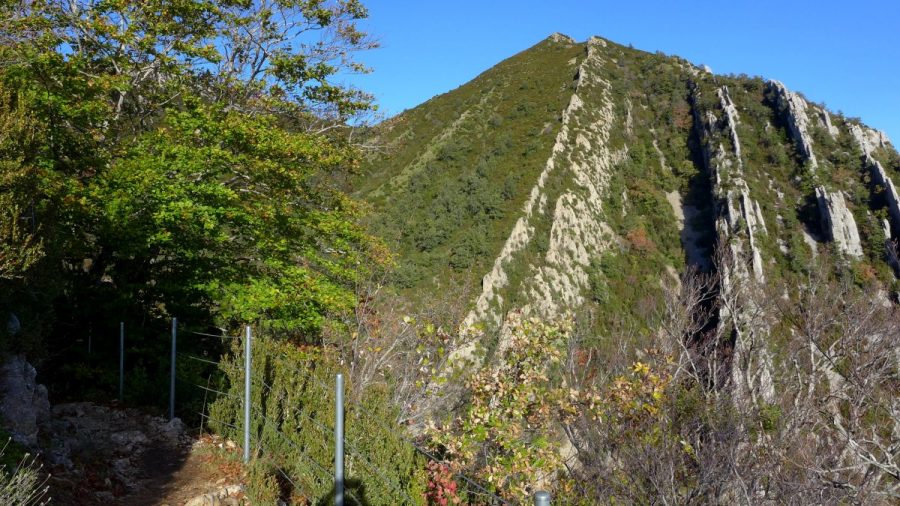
[578,175]
[95,454]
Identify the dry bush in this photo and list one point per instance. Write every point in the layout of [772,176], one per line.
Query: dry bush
[827,431]
[406,346]
[25,485]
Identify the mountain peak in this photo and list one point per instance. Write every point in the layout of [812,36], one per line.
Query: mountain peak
[559,193]
[561,38]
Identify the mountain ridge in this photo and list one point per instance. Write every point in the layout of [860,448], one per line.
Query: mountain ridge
[721,227]
[694,129]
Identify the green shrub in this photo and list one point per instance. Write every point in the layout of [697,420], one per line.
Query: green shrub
[293,426]
[262,483]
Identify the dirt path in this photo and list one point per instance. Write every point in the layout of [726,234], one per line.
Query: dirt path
[104,455]
[199,472]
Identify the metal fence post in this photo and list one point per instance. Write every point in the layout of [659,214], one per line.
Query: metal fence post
[172,378]
[541,498]
[339,440]
[247,338]
[121,361]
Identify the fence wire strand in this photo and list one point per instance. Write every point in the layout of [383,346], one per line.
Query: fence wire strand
[198,359]
[370,419]
[309,459]
[207,417]
[204,334]
[327,432]
[465,478]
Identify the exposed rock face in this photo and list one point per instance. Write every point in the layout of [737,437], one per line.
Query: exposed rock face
[577,233]
[825,122]
[735,208]
[579,228]
[561,38]
[893,198]
[838,222]
[596,41]
[868,139]
[24,404]
[739,223]
[797,120]
[731,117]
[892,248]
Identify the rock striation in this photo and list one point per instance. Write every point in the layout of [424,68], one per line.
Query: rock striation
[577,231]
[838,222]
[568,218]
[739,217]
[582,227]
[739,224]
[868,141]
[797,120]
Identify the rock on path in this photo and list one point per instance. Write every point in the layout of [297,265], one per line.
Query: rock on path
[106,455]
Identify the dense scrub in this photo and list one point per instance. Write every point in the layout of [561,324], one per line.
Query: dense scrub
[461,167]
[292,434]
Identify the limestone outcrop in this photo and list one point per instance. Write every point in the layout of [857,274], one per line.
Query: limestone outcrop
[825,122]
[577,230]
[797,120]
[838,222]
[879,175]
[739,218]
[739,223]
[892,247]
[561,38]
[868,141]
[24,405]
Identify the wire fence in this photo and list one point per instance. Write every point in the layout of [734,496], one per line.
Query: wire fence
[273,430]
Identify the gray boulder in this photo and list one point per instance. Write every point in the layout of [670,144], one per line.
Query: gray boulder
[23,402]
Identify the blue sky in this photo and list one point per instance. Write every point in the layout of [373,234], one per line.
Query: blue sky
[846,54]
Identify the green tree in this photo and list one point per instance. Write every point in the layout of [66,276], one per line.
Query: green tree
[224,207]
[19,248]
[189,153]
